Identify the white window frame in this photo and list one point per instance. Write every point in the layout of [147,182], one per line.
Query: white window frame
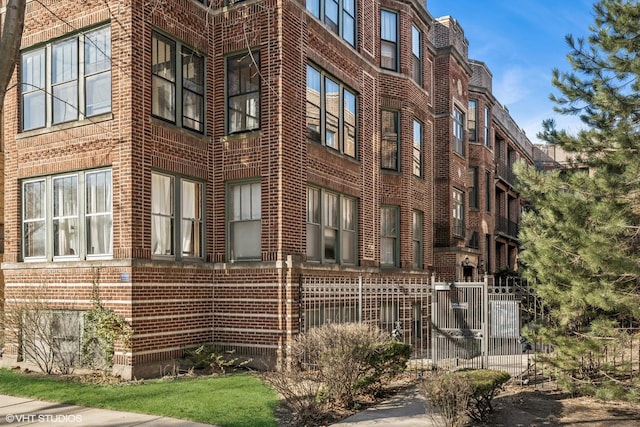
[487,127]
[81,213]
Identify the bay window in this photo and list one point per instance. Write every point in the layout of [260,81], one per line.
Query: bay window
[67,216]
[66,80]
[331,227]
[389,40]
[339,16]
[331,112]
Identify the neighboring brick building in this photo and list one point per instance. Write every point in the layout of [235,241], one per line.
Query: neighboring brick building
[194,162]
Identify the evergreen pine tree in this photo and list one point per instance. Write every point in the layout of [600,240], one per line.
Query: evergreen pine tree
[581,240]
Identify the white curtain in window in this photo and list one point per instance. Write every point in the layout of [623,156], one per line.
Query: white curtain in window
[162,213]
[246,221]
[65,212]
[388,29]
[99,213]
[190,232]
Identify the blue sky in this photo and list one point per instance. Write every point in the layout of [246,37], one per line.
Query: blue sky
[521,41]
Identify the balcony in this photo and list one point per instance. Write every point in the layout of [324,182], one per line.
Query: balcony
[505,172]
[507,227]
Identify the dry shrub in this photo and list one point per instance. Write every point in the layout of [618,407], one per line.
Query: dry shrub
[448,397]
[350,359]
[333,364]
[456,395]
[300,390]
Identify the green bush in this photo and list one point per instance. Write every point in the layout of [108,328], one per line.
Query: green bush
[465,391]
[211,358]
[486,384]
[387,361]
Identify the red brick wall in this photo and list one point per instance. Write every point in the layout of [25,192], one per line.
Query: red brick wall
[248,306]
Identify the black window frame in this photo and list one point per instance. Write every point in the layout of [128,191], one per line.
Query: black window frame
[391,43]
[472,120]
[248,88]
[458,121]
[346,132]
[318,8]
[390,141]
[416,57]
[317,226]
[181,87]
[81,72]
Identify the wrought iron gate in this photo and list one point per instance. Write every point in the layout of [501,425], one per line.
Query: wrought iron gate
[478,325]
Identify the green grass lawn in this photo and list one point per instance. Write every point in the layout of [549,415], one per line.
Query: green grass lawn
[238,400]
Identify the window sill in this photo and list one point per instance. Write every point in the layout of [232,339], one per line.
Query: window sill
[65,126]
[333,151]
[42,263]
[186,131]
[237,136]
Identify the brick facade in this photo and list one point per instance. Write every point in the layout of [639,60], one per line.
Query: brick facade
[249,306]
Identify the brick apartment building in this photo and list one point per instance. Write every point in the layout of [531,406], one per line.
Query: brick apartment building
[195,161]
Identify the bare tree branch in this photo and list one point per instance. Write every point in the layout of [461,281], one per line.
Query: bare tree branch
[10,42]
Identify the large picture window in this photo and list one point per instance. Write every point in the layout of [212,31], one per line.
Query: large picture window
[245,221]
[337,15]
[67,216]
[177,81]
[66,80]
[243,92]
[176,217]
[331,112]
[331,227]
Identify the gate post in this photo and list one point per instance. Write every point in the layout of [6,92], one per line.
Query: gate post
[433,335]
[485,323]
[360,298]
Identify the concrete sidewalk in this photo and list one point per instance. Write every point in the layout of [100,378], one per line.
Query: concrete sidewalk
[20,411]
[406,409]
